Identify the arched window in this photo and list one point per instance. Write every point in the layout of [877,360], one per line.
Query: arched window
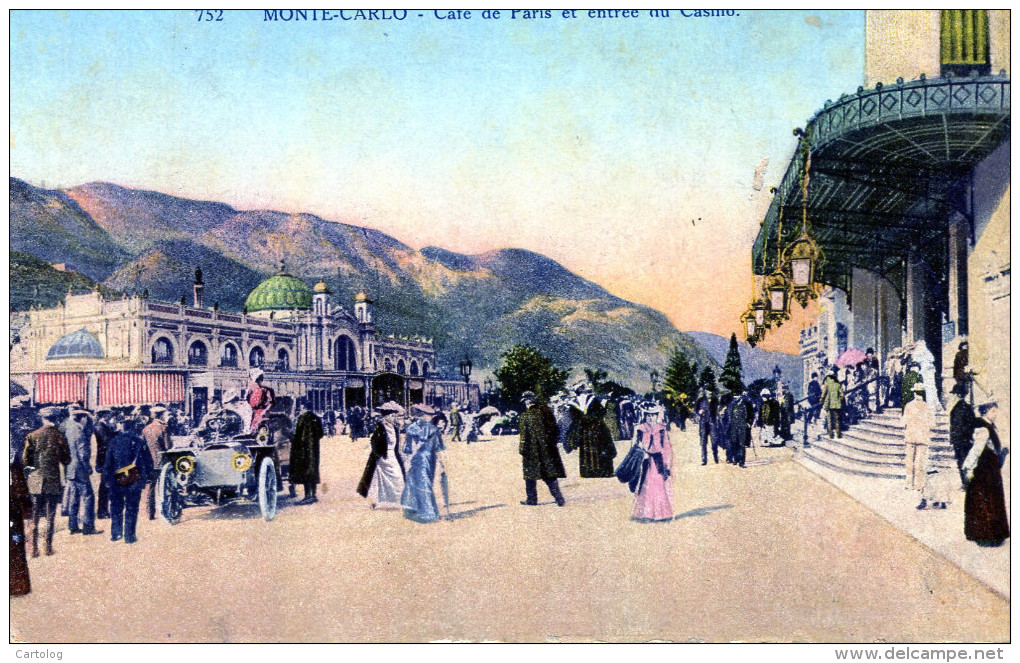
[257,357]
[388,364]
[198,354]
[282,360]
[425,370]
[228,355]
[401,366]
[344,355]
[162,351]
[414,368]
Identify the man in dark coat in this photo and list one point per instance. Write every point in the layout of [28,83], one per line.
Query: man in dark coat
[20,504]
[814,397]
[589,433]
[703,410]
[127,448]
[304,452]
[962,424]
[539,456]
[738,431]
[105,430]
[45,451]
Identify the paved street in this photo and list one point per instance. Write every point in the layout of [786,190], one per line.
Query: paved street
[768,553]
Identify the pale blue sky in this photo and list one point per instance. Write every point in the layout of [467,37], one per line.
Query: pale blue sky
[592,141]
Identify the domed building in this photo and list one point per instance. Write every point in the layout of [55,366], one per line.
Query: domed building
[135,350]
[280,292]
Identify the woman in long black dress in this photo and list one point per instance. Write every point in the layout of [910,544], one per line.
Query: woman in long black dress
[985,519]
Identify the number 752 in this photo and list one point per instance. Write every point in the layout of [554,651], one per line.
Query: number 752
[209,14]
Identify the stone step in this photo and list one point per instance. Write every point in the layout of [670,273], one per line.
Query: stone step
[861,457]
[866,448]
[823,458]
[879,440]
[894,427]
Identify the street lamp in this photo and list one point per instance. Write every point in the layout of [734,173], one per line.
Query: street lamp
[488,390]
[777,373]
[465,369]
[654,375]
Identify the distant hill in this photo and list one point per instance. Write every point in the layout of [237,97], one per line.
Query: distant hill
[35,282]
[755,362]
[480,305]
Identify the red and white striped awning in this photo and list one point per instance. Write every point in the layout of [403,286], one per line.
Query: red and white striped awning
[136,388]
[59,387]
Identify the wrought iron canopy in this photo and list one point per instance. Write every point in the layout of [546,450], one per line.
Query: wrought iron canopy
[886,172]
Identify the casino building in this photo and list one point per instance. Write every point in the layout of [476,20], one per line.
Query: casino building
[134,351]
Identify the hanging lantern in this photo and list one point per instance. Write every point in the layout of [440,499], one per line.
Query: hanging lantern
[758,310]
[777,287]
[750,326]
[802,259]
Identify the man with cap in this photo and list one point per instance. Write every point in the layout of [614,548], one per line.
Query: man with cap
[157,437]
[44,452]
[456,421]
[832,403]
[422,448]
[81,500]
[918,420]
[232,401]
[105,429]
[540,459]
[304,451]
[128,467]
[383,477]
[260,398]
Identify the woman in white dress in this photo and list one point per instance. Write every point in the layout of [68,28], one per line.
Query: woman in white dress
[383,478]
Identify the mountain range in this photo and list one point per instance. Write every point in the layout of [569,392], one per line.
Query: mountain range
[129,240]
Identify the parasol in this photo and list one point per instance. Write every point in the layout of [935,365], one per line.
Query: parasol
[850,357]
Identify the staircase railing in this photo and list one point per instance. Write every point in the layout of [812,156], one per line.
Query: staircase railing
[858,404]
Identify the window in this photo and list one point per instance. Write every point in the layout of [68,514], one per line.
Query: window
[388,364]
[414,368]
[282,360]
[162,351]
[344,355]
[401,366]
[257,357]
[228,355]
[425,370]
[198,354]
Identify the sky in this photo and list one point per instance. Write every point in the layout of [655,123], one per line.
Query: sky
[623,148]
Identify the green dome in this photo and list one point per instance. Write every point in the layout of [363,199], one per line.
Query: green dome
[280,292]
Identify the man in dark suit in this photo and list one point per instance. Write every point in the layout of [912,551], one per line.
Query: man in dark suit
[44,452]
[540,458]
[128,466]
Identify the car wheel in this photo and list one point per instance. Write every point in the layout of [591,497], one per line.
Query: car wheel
[168,495]
[267,489]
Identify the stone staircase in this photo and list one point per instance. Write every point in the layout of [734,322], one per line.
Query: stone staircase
[875,447]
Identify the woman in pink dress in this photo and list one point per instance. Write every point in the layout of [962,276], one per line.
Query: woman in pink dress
[653,499]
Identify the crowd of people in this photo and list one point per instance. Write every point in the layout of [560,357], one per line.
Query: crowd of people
[51,463]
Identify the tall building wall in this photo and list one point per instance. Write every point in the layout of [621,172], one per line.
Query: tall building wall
[906,44]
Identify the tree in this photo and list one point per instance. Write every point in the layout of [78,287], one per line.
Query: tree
[681,379]
[524,368]
[731,375]
[707,379]
[597,378]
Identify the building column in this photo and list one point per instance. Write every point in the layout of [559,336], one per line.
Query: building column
[959,231]
[915,316]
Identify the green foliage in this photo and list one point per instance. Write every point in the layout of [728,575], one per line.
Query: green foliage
[34,282]
[731,377]
[706,380]
[681,384]
[597,378]
[615,390]
[524,368]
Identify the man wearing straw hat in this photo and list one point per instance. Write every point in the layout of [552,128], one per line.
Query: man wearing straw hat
[918,421]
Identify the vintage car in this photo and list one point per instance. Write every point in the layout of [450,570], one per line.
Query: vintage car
[220,463]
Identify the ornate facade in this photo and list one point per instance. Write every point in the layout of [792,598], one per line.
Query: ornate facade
[135,350]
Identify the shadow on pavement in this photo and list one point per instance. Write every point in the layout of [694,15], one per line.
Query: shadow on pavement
[243,509]
[702,511]
[470,512]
